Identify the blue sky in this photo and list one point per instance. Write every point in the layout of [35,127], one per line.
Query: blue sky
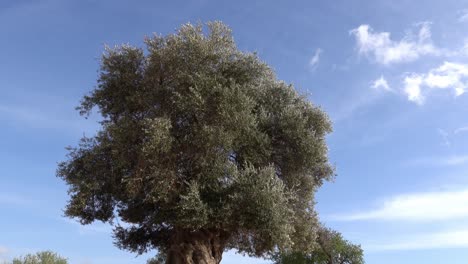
[391,74]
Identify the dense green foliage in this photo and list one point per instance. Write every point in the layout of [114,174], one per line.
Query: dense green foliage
[159,259]
[199,136]
[43,257]
[332,248]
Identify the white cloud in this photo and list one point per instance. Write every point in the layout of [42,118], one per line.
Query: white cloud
[387,51]
[417,207]
[413,88]
[434,240]
[381,84]
[314,61]
[450,76]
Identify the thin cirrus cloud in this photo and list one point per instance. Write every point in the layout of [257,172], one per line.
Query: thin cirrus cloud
[38,118]
[448,76]
[94,228]
[12,199]
[456,238]
[314,61]
[417,207]
[448,135]
[445,137]
[454,160]
[384,50]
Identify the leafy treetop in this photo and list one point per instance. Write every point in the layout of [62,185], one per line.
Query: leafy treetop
[198,136]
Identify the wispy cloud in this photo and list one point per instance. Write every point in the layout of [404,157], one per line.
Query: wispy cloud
[457,238]
[15,200]
[463,16]
[461,130]
[25,114]
[449,135]
[449,76]
[358,101]
[94,228]
[417,207]
[368,96]
[445,137]
[314,61]
[453,160]
[381,84]
[46,119]
[464,49]
[384,50]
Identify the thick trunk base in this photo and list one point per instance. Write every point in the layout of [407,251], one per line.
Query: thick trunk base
[199,247]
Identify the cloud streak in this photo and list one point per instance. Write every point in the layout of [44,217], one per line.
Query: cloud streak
[434,240]
[417,207]
[14,200]
[448,161]
[93,228]
[384,50]
[461,130]
[314,61]
[45,119]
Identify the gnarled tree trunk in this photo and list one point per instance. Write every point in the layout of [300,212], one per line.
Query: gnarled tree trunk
[197,247]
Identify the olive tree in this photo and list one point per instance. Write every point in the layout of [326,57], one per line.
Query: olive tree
[201,149]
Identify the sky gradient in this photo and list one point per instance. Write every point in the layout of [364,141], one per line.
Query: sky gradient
[392,75]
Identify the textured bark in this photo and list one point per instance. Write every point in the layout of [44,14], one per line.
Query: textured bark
[199,247]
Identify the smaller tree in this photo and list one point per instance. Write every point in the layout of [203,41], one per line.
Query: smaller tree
[43,257]
[331,248]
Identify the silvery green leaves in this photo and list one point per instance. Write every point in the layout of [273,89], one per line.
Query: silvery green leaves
[200,137]
[262,207]
[331,248]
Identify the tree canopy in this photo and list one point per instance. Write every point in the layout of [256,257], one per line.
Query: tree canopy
[201,149]
[43,257]
[332,248]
